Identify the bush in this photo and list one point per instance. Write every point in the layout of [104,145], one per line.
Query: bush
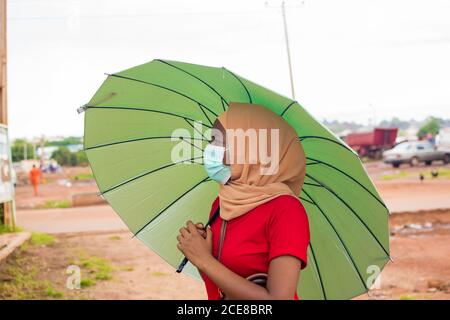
[66,158]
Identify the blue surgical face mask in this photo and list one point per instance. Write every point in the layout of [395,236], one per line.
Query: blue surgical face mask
[213,163]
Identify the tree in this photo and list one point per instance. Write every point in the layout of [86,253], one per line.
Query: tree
[63,156]
[82,159]
[18,150]
[66,158]
[431,126]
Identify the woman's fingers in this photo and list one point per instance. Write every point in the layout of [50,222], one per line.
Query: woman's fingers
[184,232]
[191,227]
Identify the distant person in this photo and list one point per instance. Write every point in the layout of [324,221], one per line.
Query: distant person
[35,178]
[431,138]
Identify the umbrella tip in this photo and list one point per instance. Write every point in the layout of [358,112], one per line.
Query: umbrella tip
[81,109]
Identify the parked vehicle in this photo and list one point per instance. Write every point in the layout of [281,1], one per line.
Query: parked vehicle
[372,143]
[414,152]
[443,140]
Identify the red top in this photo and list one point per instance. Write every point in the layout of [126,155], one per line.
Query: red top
[275,228]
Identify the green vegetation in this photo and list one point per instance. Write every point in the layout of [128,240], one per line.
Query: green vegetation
[18,148]
[392,176]
[83,176]
[65,142]
[407,297]
[51,204]
[42,239]
[94,268]
[84,283]
[20,280]
[8,229]
[443,173]
[158,274]
[128,268]
[52,293]
[431,126]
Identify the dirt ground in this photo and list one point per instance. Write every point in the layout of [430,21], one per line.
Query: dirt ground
[113,265]
[57,186]
[419,248]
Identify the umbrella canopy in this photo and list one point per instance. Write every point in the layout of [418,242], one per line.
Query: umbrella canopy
[129,141]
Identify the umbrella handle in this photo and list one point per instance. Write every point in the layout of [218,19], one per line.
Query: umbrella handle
[185,260]
[182,264]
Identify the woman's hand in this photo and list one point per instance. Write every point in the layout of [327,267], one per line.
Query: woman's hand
[195,243]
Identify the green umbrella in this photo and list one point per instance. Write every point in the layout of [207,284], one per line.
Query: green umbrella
[129,126]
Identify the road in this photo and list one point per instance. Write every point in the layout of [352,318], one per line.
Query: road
[78,219]
[400,196]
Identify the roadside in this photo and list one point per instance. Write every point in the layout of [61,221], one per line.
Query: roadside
[114,265]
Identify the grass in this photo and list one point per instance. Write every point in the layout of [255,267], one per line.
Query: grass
[127,268]
[392,176]
[407,297]
[443,173]
[52,204]
[114,238]
[20,281]
[8,229]
[85,283]
[158,274]
[83,176]
[96,268]
[42,239]
[52,293]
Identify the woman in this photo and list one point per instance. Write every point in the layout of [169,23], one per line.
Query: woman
[265,224]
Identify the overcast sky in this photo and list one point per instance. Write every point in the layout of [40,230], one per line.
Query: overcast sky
[352,60]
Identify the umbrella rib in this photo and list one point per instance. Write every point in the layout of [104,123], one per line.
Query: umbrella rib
[223,106]
[194,76]
[327,139]
[306,200]
[237,78]
[181,196]
[162,87]
[193,127]
[312,184]
[145,110]
[287,108]
[147,173]
[351,209]
[209,120]
[197,147]
[340,239]
[349,176]
[134,140]
[318,271]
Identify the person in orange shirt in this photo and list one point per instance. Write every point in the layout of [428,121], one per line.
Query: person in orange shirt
[35,177]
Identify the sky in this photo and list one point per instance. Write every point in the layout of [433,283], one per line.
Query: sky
[353,60]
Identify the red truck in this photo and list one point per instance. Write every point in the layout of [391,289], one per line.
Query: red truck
[372,143]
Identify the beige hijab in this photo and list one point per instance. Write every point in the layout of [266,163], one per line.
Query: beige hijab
[248,188]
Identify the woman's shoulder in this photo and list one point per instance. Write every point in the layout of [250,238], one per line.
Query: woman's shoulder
[288,206]
[287,202]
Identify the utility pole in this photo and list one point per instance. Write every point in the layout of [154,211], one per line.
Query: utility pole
[286,38]
[7,206]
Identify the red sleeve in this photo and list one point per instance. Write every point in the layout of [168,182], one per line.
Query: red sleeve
[214,206]
[288,230]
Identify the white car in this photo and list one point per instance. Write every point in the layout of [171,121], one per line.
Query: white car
[414,152]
